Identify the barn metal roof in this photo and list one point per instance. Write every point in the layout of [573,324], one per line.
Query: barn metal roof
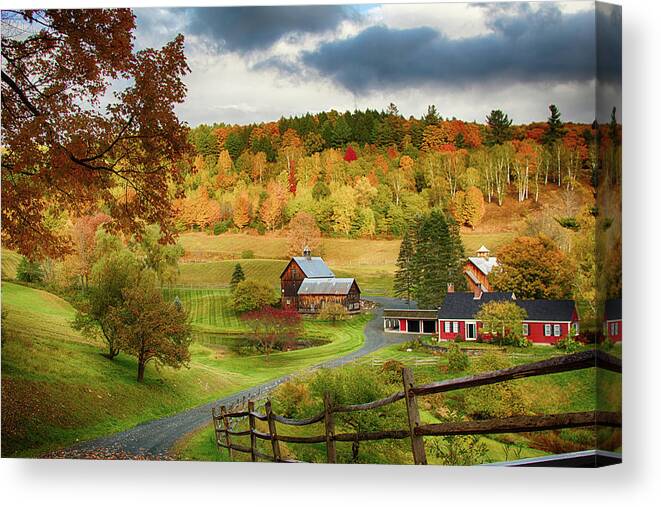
[484,264]
[314,267]
[325,286]
[463,305]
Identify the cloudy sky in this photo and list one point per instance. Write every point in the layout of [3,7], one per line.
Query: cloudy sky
[253,64]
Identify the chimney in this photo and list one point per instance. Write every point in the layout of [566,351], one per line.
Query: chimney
[450,287]
[307,253]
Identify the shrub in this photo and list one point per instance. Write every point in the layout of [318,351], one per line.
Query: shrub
[568,344]
[221,227]
[333,312]
[29,271]
[504,399]
[251,295]
[247,254]
[292,398]
[392,371]
[457,360]
[607,344]
[461,450]
[458,339]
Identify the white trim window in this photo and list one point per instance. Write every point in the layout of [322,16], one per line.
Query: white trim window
[547,329]
[446,326]
[556,329]
[455,327]
[526,329]
[614,328]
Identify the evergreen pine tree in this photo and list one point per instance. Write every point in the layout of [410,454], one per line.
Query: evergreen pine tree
[437,260]
[237,276]
[499,128]
[405,280]
[555,128]
[29,271]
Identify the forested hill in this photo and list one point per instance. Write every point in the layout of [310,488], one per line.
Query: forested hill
[366,173]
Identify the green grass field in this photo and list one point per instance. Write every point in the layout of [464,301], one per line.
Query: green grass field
[10,262]
[57,388]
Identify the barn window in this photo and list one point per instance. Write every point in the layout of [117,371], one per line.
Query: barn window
[526,331]
[446,326]
[455,327]
[547,329]
[556,329]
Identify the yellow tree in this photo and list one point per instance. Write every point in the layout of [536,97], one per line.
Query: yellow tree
[242,210]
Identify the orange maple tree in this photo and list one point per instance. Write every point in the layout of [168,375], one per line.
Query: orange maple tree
[63,150]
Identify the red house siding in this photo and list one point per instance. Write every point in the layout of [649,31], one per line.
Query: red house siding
[535,331]
[614,335]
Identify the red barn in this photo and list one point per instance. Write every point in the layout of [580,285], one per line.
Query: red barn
[477,270]
[613,319]
[547,321]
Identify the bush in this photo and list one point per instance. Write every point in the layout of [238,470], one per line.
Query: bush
[247,254]
[332,312]
[221,227]
[251,295]
[457,360]
[292,398]
[568,344]
[504,399]
[392,371]
[607,344]
[458,339]
[29,271]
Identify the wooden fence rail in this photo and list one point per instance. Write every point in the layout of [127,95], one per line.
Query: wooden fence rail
[415,431]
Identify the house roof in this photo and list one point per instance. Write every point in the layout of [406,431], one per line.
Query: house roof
[483,249]
[484,264]
[613,309]
[463,305]
[326,286]
[393,313]
[314,267]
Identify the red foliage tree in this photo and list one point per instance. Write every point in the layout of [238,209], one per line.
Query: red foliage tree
[65,151]
[273,327]
[350,154]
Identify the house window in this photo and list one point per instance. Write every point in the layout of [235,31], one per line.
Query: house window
[526,331]
[547,329]
[614,328]
[556,329]
[446,326]
[455,327]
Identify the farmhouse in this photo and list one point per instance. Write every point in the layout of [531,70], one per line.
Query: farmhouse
[547,320]
[613,319]
[307,284]
[477,270]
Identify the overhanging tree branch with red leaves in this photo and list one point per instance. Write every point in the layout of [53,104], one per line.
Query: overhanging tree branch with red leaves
[63,151]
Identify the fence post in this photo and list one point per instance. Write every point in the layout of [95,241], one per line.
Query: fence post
[329,421]
[226,424]
[216,426]
[417,442]
[253,437]
[275,445]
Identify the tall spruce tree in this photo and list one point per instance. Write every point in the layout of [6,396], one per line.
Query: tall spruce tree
[555,128]
[405,279]
[237,276]
[500,128]
[437,260]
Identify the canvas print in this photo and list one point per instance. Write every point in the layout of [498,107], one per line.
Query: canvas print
[377,233]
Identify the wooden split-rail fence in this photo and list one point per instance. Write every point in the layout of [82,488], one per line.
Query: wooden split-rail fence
[226,429]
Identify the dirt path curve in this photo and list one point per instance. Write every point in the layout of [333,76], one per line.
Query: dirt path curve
[154,439]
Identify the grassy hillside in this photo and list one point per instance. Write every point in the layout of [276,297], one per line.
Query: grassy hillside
[57,388]
[10,262]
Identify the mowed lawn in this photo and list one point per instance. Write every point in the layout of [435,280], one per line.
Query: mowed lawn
[57,388]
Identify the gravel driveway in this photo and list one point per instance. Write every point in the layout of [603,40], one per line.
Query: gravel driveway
[154,439]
